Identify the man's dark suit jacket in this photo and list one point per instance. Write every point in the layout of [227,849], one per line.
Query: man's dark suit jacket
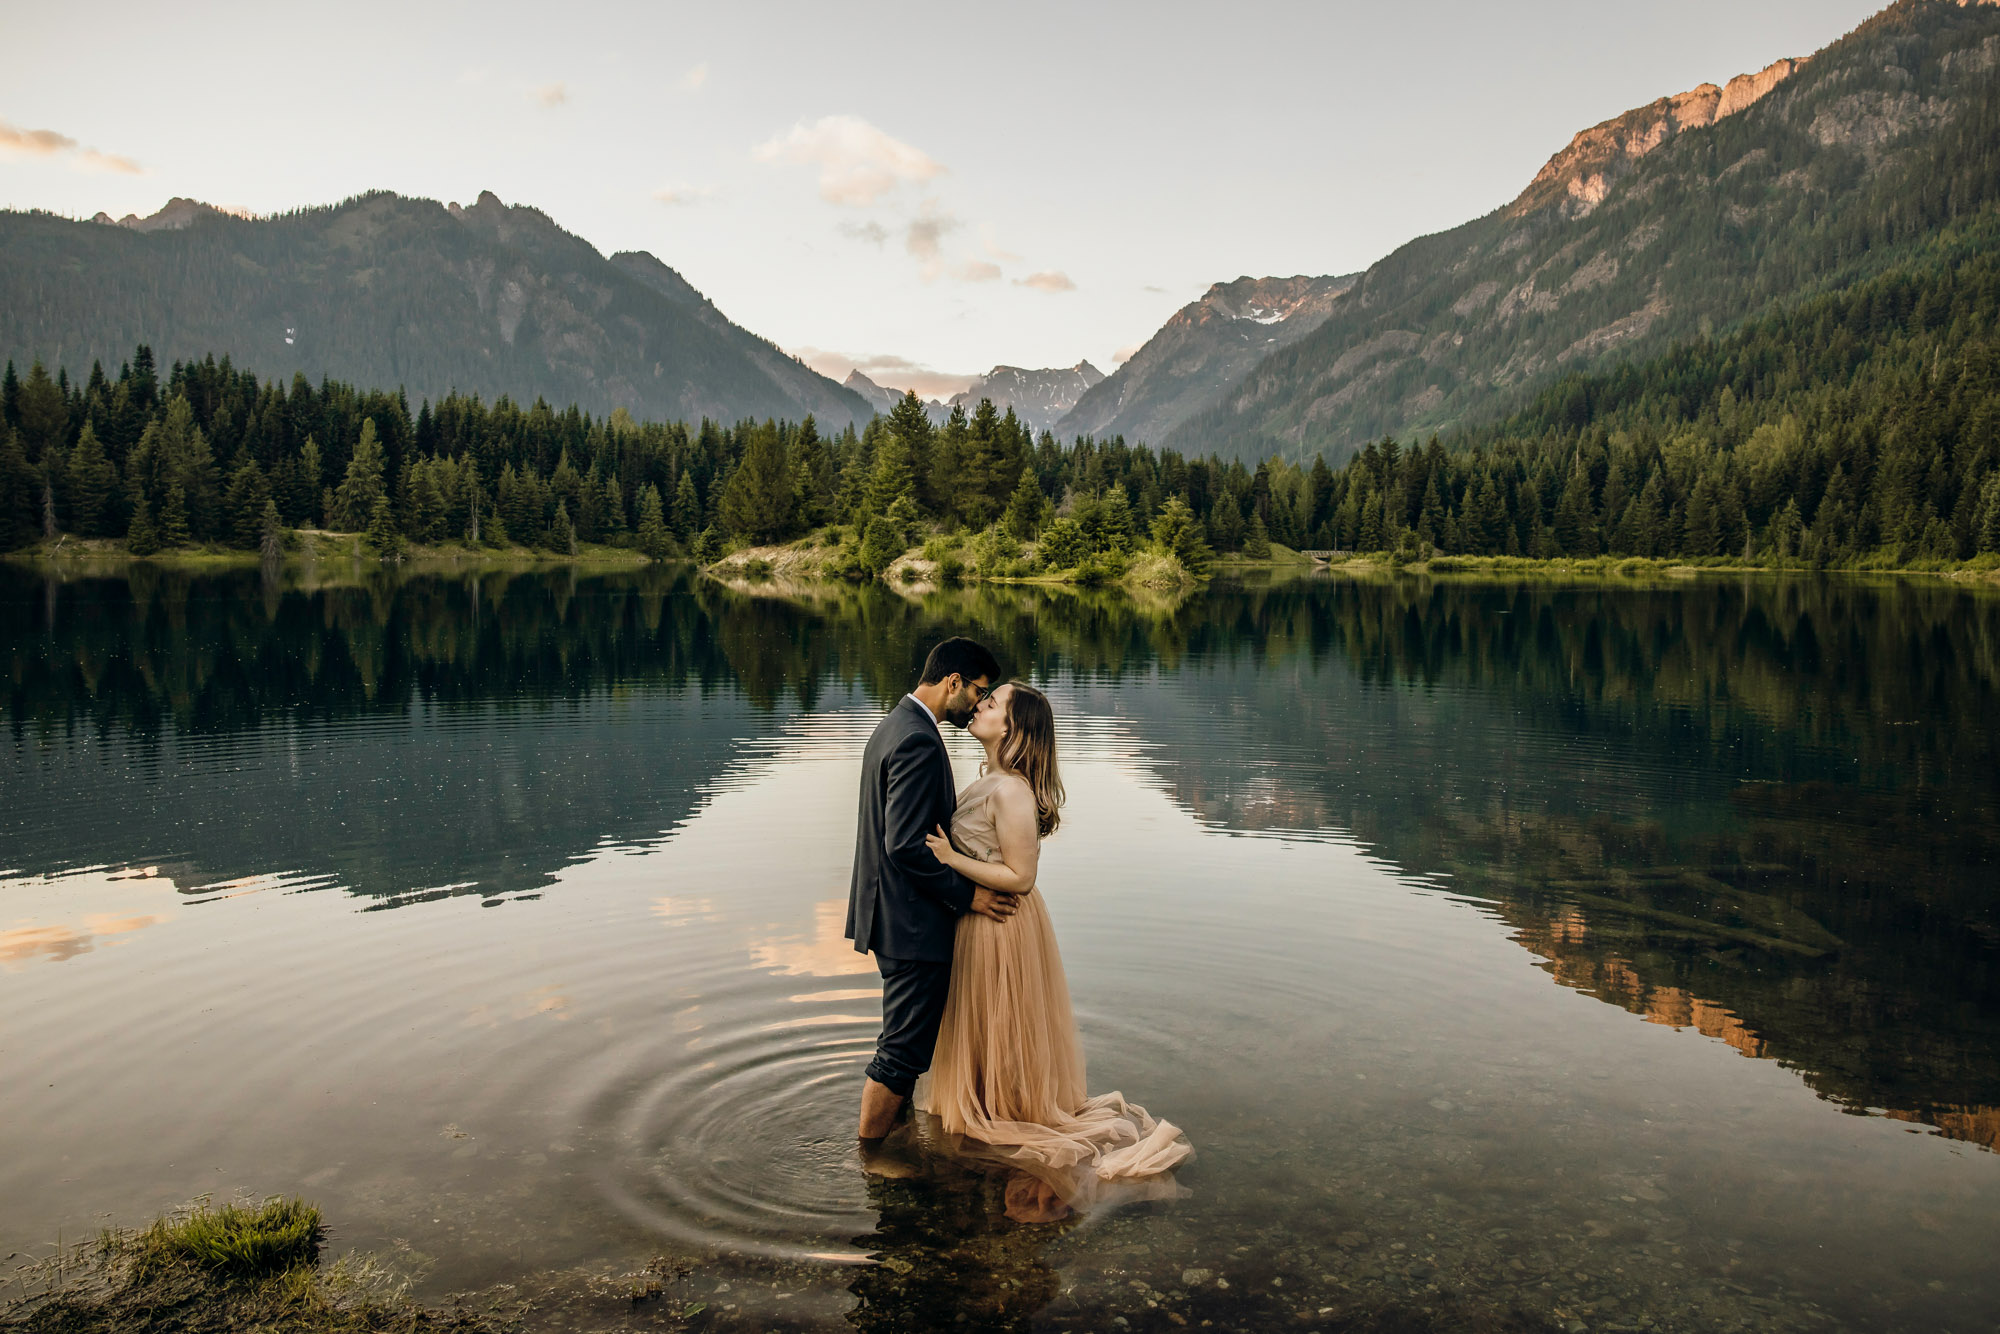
[904,904]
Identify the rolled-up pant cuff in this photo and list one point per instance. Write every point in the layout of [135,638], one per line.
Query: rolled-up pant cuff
[913,995]
[899,1082]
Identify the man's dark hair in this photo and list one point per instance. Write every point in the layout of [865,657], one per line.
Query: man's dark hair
[969,658]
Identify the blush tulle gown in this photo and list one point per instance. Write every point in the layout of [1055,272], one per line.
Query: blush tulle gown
[1009,1070]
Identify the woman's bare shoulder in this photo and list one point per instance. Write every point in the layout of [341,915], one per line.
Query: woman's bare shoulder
[1013,788]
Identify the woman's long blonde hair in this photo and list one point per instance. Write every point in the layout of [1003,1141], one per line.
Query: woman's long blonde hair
[1029,749]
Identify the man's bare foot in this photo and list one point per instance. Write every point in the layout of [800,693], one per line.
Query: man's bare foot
[889,1158]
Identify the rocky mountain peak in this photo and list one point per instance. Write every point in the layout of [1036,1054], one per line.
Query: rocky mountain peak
[177,214]
[1038,397]
[1576,180]
[1206,345]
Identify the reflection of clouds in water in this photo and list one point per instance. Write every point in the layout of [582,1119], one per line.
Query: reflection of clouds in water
[829,953]
[549,1000]
[680,908]
[19,944]
[59,941]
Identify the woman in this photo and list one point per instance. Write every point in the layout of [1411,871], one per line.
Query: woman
[1008,1069]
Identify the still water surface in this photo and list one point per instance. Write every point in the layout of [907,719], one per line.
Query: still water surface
[1621,954]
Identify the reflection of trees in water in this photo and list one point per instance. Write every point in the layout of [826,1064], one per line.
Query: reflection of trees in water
[1659,789]
[1767,803]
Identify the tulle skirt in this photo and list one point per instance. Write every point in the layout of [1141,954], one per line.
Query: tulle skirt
[1009,1069]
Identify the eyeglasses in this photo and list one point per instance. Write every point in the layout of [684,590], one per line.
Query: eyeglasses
[979,692]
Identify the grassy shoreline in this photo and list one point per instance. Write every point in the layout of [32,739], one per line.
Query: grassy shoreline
[823,557]
[1601,568]
[304,546]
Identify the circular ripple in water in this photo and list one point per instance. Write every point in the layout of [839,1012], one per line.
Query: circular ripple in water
[743,1139]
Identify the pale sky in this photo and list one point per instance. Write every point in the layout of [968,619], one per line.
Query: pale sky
[935,188]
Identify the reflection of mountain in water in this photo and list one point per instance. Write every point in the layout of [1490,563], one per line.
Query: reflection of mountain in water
[1764,810]
[1721,807]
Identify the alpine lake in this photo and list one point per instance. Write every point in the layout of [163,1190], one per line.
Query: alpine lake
[1529,955]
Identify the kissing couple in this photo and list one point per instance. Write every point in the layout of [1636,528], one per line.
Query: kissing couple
[976,1023]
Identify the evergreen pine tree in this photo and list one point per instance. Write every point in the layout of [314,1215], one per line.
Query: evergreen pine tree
[707,546]
[687,508]
[41,414]
[426,509]
[652,524]
[613,521]
[882,542]
[1576,519]
[174,517]
[91,481]
[812,476]
[1989,525]
[354,502]
[562,534]
[310,482]
[910,425]
[243,506]
[1430,518]
[757,503]
[890,480]
[1028,508]
[1371,537]
[384,537]
[1257,542]
[142,538]
[1116,529]
[271,532]
[1177,533]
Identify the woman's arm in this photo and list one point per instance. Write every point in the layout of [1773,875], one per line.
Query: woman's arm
[1020,845]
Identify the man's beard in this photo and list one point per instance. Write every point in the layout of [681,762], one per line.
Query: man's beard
[959,713]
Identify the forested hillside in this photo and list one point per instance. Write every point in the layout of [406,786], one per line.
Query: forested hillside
[382,290]
[1862,154]
[1860,427]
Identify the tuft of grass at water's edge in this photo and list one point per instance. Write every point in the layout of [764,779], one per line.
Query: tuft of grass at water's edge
[206,1269]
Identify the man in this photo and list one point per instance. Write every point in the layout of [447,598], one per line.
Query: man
[903,904]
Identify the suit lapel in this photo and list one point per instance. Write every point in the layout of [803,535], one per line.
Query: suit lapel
[923,716]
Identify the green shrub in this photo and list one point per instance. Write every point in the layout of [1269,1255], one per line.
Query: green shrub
[1064,545]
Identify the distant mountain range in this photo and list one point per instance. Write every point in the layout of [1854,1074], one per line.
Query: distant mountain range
[1038,397]
[384,290]
[1686,215]
[1204,349]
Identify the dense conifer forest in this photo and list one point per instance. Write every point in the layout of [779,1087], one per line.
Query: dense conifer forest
[1861,427]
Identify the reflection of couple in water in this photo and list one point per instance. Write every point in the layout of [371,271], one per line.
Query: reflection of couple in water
[976,1024]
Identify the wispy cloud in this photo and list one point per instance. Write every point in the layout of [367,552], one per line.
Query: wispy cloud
[871,231]
[924,239]
[1150,288]
[679,195]
[975,271]
[885,369]
[1125,353]
[993,248]
[694,79]
[552,94]
[857,162]
[33,143]
[19,143]
[92,160]
[1048,280]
